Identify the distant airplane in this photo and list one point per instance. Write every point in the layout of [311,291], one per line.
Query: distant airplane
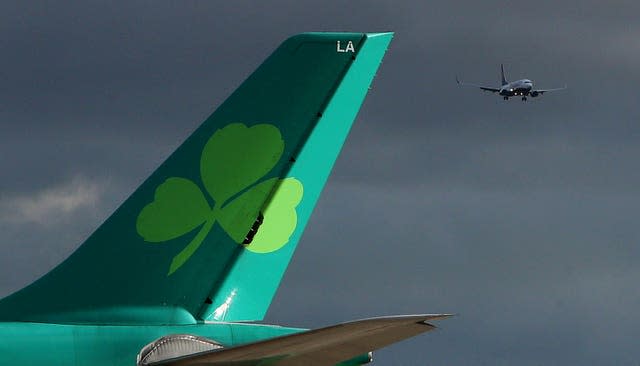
[181,272]
[523,87]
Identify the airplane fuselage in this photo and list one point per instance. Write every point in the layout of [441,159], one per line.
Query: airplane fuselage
[521,87]
[103,345]
[108,345]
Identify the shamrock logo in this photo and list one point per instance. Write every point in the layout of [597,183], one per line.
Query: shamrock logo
[234,158]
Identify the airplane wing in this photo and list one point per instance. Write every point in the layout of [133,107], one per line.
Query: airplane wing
[485,88]
[541,91]
[320,347]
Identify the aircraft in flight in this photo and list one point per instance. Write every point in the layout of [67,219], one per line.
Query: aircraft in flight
[182,272]
[522,87]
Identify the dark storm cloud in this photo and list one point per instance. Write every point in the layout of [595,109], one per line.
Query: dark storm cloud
[519,217]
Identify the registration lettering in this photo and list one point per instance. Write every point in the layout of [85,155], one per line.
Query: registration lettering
[348,48]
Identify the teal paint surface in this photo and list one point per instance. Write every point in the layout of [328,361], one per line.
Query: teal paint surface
[24,344]
[172,247]
[103,345]
[247,291]
[124,288]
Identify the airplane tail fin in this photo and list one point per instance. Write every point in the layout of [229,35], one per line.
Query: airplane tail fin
[210,233]
[503,79]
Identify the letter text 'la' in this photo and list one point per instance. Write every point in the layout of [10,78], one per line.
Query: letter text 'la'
[348,48]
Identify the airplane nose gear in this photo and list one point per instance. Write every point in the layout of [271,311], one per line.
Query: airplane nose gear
[506,98]
[524,99]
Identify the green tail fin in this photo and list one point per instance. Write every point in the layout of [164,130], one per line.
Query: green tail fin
[210,233]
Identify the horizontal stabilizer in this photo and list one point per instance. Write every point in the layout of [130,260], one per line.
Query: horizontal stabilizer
[319,347]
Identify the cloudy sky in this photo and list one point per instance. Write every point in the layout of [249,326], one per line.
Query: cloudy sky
[522,218]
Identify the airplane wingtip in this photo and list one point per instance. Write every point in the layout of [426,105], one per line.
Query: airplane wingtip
[430,317]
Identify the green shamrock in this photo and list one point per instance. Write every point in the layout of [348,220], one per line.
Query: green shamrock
[234,158]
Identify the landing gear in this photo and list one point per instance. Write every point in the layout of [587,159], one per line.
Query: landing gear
[524,99]
[506,98]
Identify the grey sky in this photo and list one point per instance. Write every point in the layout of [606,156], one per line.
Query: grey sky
[518,217]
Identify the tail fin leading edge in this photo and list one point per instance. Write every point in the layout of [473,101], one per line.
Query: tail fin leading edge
[210,233]
[503,79]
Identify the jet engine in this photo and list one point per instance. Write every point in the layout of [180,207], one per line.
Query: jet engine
[534,94]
